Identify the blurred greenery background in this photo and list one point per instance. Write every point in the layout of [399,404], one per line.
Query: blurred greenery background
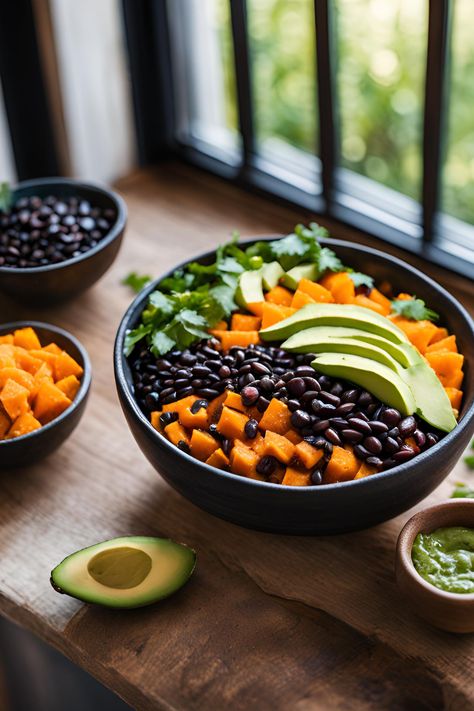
[380,71]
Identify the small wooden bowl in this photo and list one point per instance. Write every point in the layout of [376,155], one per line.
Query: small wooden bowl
[453,612]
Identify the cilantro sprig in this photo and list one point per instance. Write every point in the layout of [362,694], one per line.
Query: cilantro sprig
[414,309]
[137,282]
[361,279]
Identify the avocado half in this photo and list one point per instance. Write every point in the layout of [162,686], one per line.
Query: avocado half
[127,572]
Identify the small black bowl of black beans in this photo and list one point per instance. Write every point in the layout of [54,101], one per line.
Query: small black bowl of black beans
[58,236]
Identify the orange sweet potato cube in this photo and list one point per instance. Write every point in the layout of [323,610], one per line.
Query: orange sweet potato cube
[50,402]
[14,398]
[7,338]
[64,365]
[69,385]
[26,338]
[23,425]
[5,423]
[19,376]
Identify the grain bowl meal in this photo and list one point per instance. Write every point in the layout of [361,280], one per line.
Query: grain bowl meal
[280,363]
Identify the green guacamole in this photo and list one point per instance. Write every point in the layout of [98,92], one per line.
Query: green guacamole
[445,558]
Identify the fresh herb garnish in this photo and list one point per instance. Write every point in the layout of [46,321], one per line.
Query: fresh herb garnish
[414,309]
[136,281]
[361,279]
[6,197]
[462,491]
[469,460]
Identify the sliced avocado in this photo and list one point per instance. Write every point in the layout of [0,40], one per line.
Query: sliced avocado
[379,380]
[335,315]
[292,277]
[302,342]
[249,290]
[356,347]
[271,274]
[432,402]
[125,572]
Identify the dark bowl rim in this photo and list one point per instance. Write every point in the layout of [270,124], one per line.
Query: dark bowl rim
[119,358]
[404,549]
[85,380]
[114,232]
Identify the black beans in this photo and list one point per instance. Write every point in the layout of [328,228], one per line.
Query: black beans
[329,398]
[167,418]
[420,438]
[349,395]
[378,427]
[183,446]
[358,424]
[361,451]
[300,419]
[407,426]
[403,455]
[374,461]
[351,436]
[198,405]
[431,439]
[316,477]
[152,401]
[208,393]
[332,436]
[391,445]
[267,465]
[296,386]
[321,426]
[305,370]
[390,416]
[39,231]
[345,408]
[262,403]
[249,395]
[251,428]
[201,371]
[364,399]
[372,444]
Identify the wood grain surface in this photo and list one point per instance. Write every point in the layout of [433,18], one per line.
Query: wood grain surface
[267,622]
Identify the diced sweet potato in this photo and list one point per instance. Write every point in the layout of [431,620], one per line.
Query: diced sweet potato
[294,477]
[365,470]
[256,308]
[192,420]
[279,295]
[276,417]
[7,356]
[257,444]
[293,436]
[243,461]
[14,398]
[180,405]
[50,402]
[301,299]
[234,401]
[5,422]
[244,322]
[24,424]
[215,408]
[176,433]
[236,338]
[278,446]
[381,300]
[42,375]
[46,356]
[155,420]
[447,367]
[18,375]
[455,397]
[439,335]
[7,338]
[218,459]
[343,466]
[419,333]
[232,423]
[69,385]
[202,445]
[341,287]
[24,360]
[64,365]
[53,348]
[26,338]
[317,291]
[308,455]
[445,344]
[361,300]
[273,313]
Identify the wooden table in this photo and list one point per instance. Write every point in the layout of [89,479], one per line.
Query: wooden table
[267,621]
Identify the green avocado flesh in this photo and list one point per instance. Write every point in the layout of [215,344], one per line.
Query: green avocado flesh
[355,347]
[335,315]
[379,380]
[445,558]
[250,288]
[292,277]
[304,342]
[125,572]
[271,275]
[432,402]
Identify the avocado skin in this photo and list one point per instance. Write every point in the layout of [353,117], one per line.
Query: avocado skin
[292,277]
[250,288]
[382,382]
[105,597]
[334,315]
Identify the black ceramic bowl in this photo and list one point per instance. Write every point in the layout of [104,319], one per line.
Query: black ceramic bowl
[54,283]
[332,508]
[31,448]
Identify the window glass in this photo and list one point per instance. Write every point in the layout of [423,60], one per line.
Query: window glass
[381,59]
[458,174]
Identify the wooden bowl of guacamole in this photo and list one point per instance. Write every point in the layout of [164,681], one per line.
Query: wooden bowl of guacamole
[435,564]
